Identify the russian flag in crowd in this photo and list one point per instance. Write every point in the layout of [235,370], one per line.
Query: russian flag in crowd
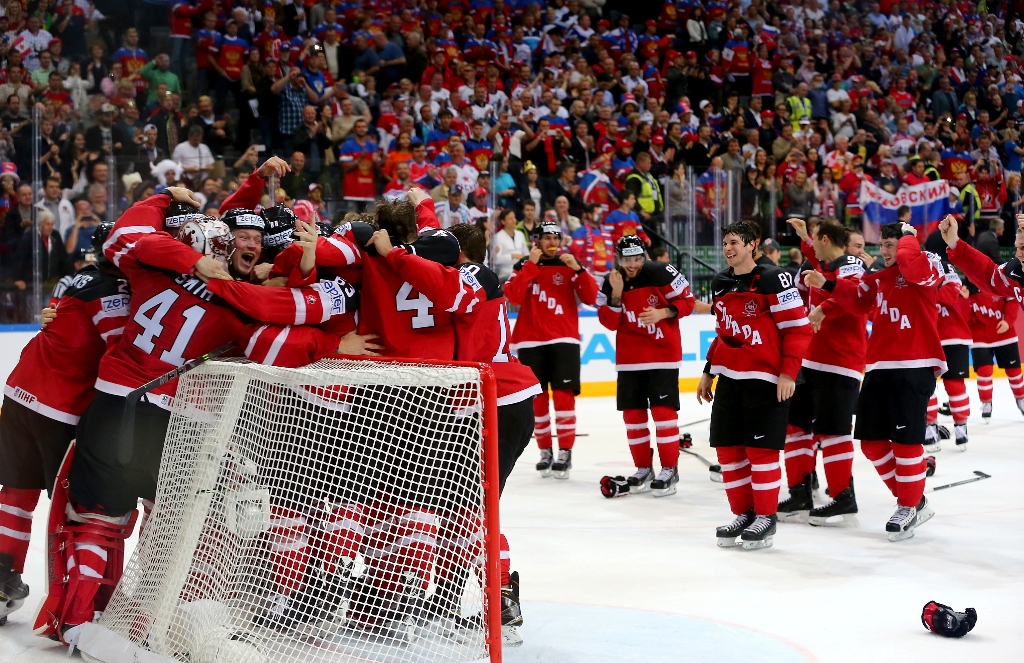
[928,203]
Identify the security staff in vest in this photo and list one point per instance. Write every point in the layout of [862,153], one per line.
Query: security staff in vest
[799,106]
[969,199]
[647,190]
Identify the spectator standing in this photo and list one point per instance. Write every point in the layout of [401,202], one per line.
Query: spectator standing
[360,162]
[159,71]
[294,93]
[624,220]
[51,256]
[54,202]
[312,139]
[296,182]
[507,245]
[592,245]
[194,156]
[646,190]
[452,210]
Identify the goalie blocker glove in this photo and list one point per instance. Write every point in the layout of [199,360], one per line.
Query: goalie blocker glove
[943,620]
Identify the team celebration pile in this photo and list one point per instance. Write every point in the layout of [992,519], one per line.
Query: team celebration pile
[439,181]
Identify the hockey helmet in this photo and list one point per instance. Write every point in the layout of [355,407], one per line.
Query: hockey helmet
[279,226]
[209,237]
[548,228]
[99,238]
[178,214]
[629,245]
[243,219]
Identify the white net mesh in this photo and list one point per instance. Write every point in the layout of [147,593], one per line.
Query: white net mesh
[331,513]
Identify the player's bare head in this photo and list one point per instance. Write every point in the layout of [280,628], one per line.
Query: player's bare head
[472,241]
[549,239]
[1018,245]
[890,238]
[855,243]
[832,234]
[739,240]
[398,218]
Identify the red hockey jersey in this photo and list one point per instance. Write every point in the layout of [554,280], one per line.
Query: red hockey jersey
[986,312]
[546,291]
[473,295]
[841,342]
[762,327]
[640,347]
[57,369]
[904,331]
[953,308]
[1005,280]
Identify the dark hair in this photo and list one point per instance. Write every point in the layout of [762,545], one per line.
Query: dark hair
[590,208]
[398,218]
[504,213]
[746,231]
[892,231]
[901,210]
[623,196]
[472,241]
[657,252]
[445,113]
[529,202]
[837,234]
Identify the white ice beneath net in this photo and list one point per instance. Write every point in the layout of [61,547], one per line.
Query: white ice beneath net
[333,513]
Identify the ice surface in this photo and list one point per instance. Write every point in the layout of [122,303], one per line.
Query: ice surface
[640,579]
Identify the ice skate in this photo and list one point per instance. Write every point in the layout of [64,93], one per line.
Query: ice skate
[561,467]
[839,512]
[961,436]
[321,603]
[640,481]
[727,534]
[13,591]
[906,520]
[931,438]
[544,464]
[511,614]
[986,411]
[665,484]
[794,509]
[760,533]
[1020,405]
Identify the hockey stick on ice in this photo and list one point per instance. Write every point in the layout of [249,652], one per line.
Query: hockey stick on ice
[980,476]
[684,445]
[125,444]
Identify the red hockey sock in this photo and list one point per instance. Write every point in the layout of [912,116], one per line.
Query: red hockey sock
[666,431]
[1016,383]
[16,507]
[342,535]
[289,548]
[765,479]
[639,437]
[984,382]
[506,563]
[541,421]
[799,455]
[910,473]
[959,401]
[736,478]
[565,417]
[879,452]
[933,410]
[837,457]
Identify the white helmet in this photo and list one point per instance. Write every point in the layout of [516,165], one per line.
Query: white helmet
[210,237]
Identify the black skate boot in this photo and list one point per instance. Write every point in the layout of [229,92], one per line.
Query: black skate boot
[13,591]
[321,601]
[945,411]
[986,411]
[727,534]
[759,534]
[961,436]
[561,467]
[640,481]
[794,509]
[544,464]
[665,483]
[839,512]
[931,438]
[907,519]
[511,614]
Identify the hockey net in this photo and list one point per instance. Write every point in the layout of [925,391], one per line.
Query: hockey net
[345,511]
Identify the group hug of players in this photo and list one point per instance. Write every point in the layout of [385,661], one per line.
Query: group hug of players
[171,285]
[789,358]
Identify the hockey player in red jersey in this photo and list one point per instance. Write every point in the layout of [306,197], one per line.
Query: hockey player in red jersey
[955,335]
[642,302]
[903,358]
[763,336]
[821,413]
[547,337]
[44,397]
[1005,280]
[993,320]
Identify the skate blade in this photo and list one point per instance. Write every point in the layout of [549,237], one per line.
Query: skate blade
[843,520]
[664,492]
[544,474]
[901,536]
[757,545]
[961,447]
[794,516]
[642,488]
[8,606]
[726,542]
[564,474]
[510,636]
[932,448]
[924,515]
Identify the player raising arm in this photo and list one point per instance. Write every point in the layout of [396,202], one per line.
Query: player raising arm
[956,337]
[903,357]
[642,302]
[762,338]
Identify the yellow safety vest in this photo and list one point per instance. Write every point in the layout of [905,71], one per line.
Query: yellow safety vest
[648,198]
[798,108]
[969,189]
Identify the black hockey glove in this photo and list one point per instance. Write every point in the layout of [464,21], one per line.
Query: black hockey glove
[943,620]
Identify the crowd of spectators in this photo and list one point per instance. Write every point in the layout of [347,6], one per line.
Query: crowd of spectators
[507,112]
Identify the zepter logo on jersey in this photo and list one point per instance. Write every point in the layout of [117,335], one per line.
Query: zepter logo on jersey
[209,237]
